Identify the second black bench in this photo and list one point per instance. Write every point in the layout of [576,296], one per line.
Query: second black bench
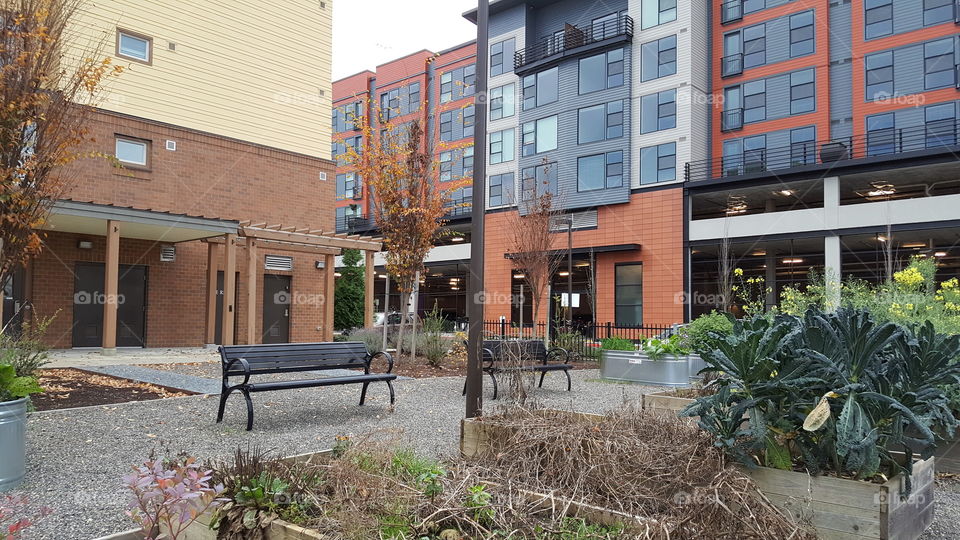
[503,356]
[253,360]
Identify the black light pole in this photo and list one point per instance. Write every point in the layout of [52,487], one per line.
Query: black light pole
[569,274]
[476,299]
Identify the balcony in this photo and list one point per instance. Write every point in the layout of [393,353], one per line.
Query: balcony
[458,209]
[573,40]
[732,11]
[732,120]
[731,65]
[938,137]
[357,224]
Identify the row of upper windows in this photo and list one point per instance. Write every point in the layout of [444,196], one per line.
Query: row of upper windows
[400,101]
[880,19]
[658,164]
[939,69]
[792,94]
[344,117]
[595,73]
[746,48]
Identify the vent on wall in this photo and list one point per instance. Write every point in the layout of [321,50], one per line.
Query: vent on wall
[581,220]
[278,262]
[172,146]
[168,253]
[323,176]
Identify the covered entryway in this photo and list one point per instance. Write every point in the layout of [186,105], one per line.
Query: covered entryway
[276,308]
[89,299]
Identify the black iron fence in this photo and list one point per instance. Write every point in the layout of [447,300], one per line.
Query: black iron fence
[583,340]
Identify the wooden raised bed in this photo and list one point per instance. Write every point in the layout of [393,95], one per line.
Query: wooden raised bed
[844,509]
[664,402]
[476,433]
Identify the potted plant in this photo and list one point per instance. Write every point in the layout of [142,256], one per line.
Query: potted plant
[14,391]
[826,412]
[655,361]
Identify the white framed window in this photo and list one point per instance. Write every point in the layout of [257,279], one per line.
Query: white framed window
[134,46]
[133,152]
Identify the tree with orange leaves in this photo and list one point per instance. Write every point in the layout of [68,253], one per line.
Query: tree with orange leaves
[399,169]
[47,98]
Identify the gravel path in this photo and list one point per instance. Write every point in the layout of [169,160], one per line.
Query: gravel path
[77,457]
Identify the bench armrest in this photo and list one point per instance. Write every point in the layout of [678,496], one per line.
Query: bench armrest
[243,363]
[560,352]
[384,354]
[486,355]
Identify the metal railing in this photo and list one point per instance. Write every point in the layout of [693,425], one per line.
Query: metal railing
[732,11]
[459,207]
[731,65]
[355,224]
[574,37]
[583,340]
[940,134]
[731,119]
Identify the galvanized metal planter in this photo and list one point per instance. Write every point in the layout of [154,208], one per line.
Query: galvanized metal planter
[13,443]
[634,366]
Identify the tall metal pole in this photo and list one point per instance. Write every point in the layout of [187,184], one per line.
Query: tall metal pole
[570,275]
[476,300]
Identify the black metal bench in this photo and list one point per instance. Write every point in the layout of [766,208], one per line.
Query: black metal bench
[503,356]
[251,360]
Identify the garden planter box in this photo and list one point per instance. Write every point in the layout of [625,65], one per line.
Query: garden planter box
[476,433]
[13,443]
[664,402]
[634,366]
[850,509]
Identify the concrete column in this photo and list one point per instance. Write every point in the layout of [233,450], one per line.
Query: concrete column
[831,202]
[110,288]
[832,271]
[211,293]
[770,279]
[252,269]
[229,288]
[329,267]
[369,274]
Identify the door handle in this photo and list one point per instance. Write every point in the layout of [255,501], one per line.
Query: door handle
[286,313]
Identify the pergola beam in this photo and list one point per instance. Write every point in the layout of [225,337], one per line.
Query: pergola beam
[337,241]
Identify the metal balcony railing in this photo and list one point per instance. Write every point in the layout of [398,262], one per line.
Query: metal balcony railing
[732,11]
[574,37]
[937,135]
[731,65]
[355,224]
[731,120]
[459,208]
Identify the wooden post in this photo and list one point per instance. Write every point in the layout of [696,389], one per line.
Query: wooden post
[329,267]
[110,288]
[211,293]
[252,265]
[229,288]
[369,275]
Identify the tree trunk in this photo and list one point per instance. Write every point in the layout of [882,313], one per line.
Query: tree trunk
[413,320]
[404,299]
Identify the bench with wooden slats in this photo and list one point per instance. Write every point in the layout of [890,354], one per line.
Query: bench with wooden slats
[252,360]
[503,356]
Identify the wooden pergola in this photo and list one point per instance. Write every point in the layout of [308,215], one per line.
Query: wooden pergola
[292,239]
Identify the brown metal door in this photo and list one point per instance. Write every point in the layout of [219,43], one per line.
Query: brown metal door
[88,300]
[276,309]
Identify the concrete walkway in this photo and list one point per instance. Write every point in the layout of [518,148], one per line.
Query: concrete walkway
[71,358]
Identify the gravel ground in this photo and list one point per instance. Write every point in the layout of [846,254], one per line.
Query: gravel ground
[76,457]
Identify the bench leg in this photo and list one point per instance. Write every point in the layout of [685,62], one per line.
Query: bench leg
[363,393]
[567,373]
[494,379]
[392,395]
[246,396]
[224,394]
[542,375]
[464,387]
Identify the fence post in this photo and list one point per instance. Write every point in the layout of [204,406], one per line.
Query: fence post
[503,328]
[609,325]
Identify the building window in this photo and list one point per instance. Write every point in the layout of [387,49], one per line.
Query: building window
[501,146]
[658,163]
[535,181]
[754,46]
[937,11]
[801,34]
[878,18]
[468,162]
[601,72]
[658,111]
[754,101]
[469,80]
[413,96]
[133,152]
[539,136]
[501,189]
[541,88]
[469,116]
[446,87]
[500,54]
[446,126]
[732,61]
[938,64]
[732,109]
[600,122]
[803,146]
[134,46]
[940,125]
[658,58]
[628,294]
[802,92]
[600,171]
[881,134]
[657,12]
[348,186]
[502,100]
[754,153]
[446,166]
[879,75]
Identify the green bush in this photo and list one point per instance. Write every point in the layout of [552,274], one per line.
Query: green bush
[431,343]
[657,349]
[617,344]
[348,307]
[703,332]
[372,337]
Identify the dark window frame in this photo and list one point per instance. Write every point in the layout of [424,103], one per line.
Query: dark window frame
[617,286]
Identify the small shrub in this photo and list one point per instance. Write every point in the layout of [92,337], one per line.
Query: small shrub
[13,387]
[702,333]
[658,349]
[27,352]
[371,337]
[431,342]
[12,520]
[617,344]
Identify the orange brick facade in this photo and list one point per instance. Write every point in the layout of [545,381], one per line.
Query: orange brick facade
[652,219]
[206,176]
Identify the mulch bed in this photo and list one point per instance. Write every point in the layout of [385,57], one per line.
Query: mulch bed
[66,388]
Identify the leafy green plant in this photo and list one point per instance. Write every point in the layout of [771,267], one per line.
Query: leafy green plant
[617,344]
[658,349]
[478,500]
[703,332]
[348,308]
[575,528]
[26,352]
[13,387]
[425,473]
[432,344]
